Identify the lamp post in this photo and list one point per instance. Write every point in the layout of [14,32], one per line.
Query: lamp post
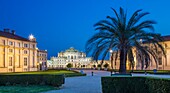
[111,59]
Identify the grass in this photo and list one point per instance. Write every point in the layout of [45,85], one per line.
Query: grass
[25,89]
[41,72]
[67,73]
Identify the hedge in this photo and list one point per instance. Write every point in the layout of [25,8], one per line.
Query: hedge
[135,85]
[74,75]
[34,79]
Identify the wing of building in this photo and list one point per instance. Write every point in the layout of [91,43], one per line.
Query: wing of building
[76,58]
[163,62]
[18,54]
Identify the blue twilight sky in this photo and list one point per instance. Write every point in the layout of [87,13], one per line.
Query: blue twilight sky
[60,24]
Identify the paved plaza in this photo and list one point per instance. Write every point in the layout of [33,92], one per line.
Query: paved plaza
[83,84]
[89,83]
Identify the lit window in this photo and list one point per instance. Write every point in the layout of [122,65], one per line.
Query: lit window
[160,61]
[10,43]
[25,45]
[33,46]
[25,52]
[18,44]
[10,61]
[10,50]
[25,61]
[10,70]
[25,69]
[3,41]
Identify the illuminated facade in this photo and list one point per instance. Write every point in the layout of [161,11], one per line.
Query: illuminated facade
[17,54]
[163,63]
[73,56]
[42,59]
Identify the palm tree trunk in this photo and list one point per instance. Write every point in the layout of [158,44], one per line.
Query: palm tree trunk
[123,58]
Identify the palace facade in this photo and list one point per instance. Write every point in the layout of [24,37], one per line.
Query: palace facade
[163,62]
[76,58]
[18,54]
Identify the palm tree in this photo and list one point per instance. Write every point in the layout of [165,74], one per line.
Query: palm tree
[124,36]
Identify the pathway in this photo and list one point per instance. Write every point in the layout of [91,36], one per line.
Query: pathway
[89,83]
[83,84]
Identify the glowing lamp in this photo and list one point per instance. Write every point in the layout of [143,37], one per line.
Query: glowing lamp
[31,37]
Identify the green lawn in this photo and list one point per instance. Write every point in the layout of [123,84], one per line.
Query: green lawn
[25,89]
[43,72]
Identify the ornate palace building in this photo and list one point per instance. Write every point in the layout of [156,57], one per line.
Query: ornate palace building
[76,58]
[18,54]
[163,62]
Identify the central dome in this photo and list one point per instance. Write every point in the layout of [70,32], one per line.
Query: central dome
[71,49]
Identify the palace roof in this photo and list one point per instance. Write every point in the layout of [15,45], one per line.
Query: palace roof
[12,35]
[71,49]
[166,38]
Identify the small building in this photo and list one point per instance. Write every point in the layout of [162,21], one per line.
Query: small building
[42,59]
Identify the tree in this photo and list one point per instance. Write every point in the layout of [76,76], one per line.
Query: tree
[94,66]
[69,65]
[106,65]
[99,65]
[123,36]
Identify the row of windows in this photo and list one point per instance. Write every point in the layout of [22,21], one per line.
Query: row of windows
[25,51]
[43,55]
[12,43]
[43,58]
[11,70]
[11,61]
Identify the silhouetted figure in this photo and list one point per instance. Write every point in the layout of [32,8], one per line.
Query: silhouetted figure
[145,72]
[92,73]
[111,73]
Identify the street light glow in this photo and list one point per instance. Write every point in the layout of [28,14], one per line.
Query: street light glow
[31,37]
[111,51]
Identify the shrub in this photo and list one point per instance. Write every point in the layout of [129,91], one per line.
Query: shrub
[53,80]
[135,85]
[69,65]
[99,65]
[106,65]
[74,75]
[94,66]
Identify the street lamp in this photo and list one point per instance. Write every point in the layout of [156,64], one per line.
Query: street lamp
[111,59]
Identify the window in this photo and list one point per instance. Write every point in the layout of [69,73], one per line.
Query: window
[160,61]
[10,50]
[25,45]
[10,43]
[25,69]
[10,61]
[10,70]
[3,41]
[25,61]
[25,52]
[33,46]
[18,44]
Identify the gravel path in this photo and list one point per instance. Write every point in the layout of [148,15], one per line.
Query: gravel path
[83,84]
